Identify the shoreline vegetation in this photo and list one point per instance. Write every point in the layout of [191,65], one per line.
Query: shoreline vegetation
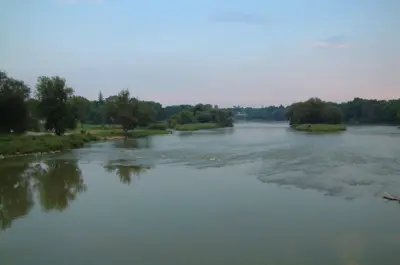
[315,115]
[52,118]
[319,128]
[53,107]
[21,145]
[197,126]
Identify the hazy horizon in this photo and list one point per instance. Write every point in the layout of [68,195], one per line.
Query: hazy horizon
[247,53]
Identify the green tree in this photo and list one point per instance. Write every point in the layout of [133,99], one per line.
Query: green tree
[14,114]
[81,107]
[54,104]
[314,111]
[147,113]
[127,110]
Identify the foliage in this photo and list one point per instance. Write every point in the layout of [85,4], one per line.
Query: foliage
[371,111]
[196,126]
[56,108]
[199,114]
[313,111]
[54,105]
[271,113]
[158,126]
[126,110]
[320,127]
[80,106]
[14,115]
[11,145]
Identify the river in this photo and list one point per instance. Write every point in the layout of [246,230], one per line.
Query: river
[255,194]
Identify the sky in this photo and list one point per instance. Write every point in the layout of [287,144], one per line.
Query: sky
[224,52]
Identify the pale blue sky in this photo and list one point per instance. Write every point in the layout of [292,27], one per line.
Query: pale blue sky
[225,52]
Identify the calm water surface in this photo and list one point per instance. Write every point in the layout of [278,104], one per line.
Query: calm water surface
[255,194]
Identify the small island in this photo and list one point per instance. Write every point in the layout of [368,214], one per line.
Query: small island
[201,117]
[315,115]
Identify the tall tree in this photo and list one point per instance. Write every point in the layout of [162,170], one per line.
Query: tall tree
[53,95]
[81,107]
[14,114]
[127,110]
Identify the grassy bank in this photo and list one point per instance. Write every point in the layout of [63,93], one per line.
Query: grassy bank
[11,145]
[196,126]
[320,127]
[18,145]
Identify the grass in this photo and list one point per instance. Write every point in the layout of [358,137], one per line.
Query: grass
[158,126]
[196,126]
[29,144]
[320,127]
[89,127]
[18,145]
[147,132]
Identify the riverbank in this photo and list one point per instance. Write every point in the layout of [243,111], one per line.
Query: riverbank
[11,145]
[197,126]
[320,127]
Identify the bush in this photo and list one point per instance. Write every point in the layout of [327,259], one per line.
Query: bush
[12,145]
[196,126]
[157,126]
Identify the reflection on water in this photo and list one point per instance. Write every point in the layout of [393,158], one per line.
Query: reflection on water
[125,169]
[144,142]
[16,197]
[210,197]
[58,183]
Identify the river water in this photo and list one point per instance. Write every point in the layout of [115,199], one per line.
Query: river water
[254,194]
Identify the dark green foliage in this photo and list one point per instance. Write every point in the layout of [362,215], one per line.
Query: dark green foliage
[11,145]
[271,113]
[202,114]
[54,104]
[158,126]
[320,128]
[314,111]
[371,111]
[14,114]
[56,108]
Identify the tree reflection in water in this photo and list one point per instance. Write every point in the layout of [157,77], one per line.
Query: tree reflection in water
[16,198]
[124,170]
[58,182]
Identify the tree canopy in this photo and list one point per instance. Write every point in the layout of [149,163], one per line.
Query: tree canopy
[54,105]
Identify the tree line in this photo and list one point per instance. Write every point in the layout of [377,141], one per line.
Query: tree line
[356,111]
[54,104]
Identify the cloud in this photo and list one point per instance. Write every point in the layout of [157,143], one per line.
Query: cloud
[332,42]
[239,17]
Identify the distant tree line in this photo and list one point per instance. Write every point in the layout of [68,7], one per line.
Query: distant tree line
[356,111]
[54,106]
[271,113]
[201,113]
